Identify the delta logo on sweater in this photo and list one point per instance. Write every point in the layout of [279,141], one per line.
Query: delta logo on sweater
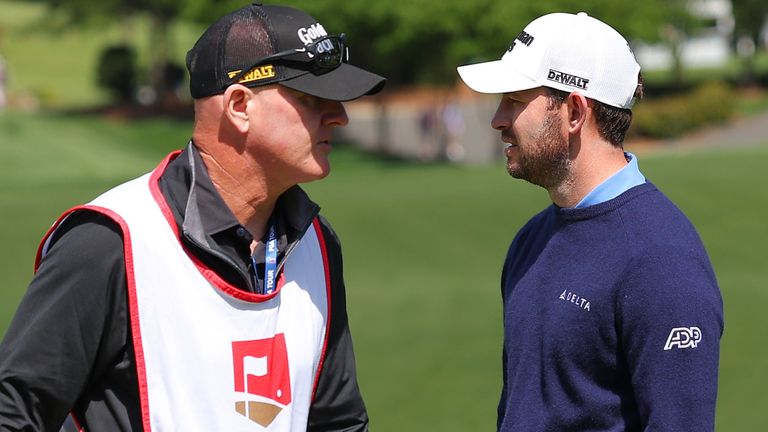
[262,378]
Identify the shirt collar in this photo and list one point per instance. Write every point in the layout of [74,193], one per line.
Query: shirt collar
[205,211]
[626,178]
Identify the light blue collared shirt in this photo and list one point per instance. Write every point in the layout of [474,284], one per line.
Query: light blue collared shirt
[623,180]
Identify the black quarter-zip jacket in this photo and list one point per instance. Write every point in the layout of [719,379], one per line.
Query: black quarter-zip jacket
[69,346]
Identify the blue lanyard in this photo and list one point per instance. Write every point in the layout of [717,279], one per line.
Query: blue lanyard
[270,261]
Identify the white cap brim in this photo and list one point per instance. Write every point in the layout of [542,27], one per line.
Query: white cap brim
[495,77]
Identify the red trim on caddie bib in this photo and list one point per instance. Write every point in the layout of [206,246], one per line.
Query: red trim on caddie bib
[77,423]
[39,254]
[133,306]
[207,273]
[327,269]
[154,189]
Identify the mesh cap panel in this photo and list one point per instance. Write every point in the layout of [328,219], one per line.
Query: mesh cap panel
[231,43]
[238,41]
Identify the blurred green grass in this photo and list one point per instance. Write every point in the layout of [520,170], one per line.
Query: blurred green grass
[55,67]
[423,247]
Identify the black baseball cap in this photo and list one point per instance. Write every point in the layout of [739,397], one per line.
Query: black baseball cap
[266,44]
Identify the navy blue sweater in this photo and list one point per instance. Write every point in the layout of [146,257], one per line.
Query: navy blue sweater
[612,320]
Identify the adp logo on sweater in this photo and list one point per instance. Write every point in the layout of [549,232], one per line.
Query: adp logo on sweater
[683,337]
[262,378]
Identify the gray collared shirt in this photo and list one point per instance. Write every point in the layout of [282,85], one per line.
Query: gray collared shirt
[208,224]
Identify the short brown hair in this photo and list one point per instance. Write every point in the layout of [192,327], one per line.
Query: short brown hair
[612,122]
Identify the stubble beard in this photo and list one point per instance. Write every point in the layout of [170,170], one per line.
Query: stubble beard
[546,161]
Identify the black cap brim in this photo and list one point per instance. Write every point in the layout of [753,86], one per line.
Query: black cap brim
[344,83]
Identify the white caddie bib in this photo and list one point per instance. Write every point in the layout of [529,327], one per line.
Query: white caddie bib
[211,357]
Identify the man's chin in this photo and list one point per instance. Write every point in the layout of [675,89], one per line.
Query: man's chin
[514,170]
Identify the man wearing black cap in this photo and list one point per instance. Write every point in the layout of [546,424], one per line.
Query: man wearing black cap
[207,294]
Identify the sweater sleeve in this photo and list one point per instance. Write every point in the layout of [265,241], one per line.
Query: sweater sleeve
[338,404]
[670,324]
[67,327]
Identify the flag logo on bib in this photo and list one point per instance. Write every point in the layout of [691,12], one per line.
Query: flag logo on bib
[262,378]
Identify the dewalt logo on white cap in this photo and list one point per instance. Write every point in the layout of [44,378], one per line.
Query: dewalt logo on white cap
[564,51]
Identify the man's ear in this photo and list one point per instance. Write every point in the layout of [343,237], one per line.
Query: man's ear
[236,100]
[578,108]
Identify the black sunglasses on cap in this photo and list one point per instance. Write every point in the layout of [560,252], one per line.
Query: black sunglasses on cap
[325,54]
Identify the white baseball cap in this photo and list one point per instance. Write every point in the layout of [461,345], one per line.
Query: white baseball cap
[567,52]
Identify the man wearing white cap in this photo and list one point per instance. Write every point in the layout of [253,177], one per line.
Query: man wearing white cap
[612,312]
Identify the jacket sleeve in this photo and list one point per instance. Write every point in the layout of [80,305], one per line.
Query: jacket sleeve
[67,327]
[338,404]
[671,324]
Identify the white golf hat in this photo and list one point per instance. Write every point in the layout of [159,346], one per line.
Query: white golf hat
[563,51]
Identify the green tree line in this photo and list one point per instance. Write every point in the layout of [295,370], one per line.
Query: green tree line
[419,41]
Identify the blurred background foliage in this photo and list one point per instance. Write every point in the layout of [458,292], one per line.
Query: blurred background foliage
[132,51]
[410,42]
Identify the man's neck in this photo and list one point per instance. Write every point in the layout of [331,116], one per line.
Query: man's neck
[589,171]
[249,197]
